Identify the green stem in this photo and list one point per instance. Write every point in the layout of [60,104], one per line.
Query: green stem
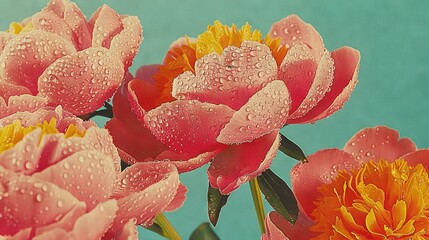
[169,230]
[257,201]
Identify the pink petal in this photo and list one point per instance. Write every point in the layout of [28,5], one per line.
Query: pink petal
[144,190]
[128,232]
[56,7]
[64,119]
[28,202]
[26,56]
[143,96]
[23,234]
[54,234]
[272,232]
[5,175]
[321,168]
[130,135]
[346,62]
[178,200]
[229,79]
[135,140]
[146,72]
[418,157]
[240,163]
[4,39]
[279,228]
[92,76]
[67,221]
[92,225]
[121,104]
[100,139]
[25,102]
[136,93]
[264,112]
[188,126]
[77,22]
[24,156]
[56,148]
[93,172]
[65,19]
[140,176]
[378,143]
[106,23]
[297,71]
[50,22]
[127,42]
[322,82]
[7,90]
[186,162]
[292,30]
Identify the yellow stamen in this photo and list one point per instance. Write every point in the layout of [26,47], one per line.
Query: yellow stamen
[17,28]
[13,133]
[378,201]
[219,36]
[278,50]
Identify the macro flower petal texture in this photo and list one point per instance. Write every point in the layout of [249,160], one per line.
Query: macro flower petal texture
[375,188]
[57,57]
[60,179]
[226,94]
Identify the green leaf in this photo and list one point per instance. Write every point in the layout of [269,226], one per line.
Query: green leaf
[204,232]
[291,149]
[215,202]
[157,229]
[279,195]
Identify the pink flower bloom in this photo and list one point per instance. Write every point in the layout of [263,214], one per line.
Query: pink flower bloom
[58,55]
[60,178]
[378,143]
[228,99]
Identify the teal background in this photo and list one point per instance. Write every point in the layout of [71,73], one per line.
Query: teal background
[392,36]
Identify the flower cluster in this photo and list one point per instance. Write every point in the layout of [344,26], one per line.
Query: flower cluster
[59,173]
[57,57]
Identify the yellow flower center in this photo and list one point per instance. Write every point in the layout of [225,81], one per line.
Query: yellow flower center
[13,133]
[17,28]
[219,36]
[378,201]
[215,39]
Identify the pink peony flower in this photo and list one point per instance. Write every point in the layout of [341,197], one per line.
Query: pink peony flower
[226,94]
[354,191]
[60,178]
[58,55]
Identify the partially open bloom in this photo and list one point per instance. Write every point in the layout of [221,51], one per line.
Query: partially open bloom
[58,55]
[375,188]
[60,178]
[226,94]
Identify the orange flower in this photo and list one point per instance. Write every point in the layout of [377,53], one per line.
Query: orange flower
[381,200]
[376,187]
